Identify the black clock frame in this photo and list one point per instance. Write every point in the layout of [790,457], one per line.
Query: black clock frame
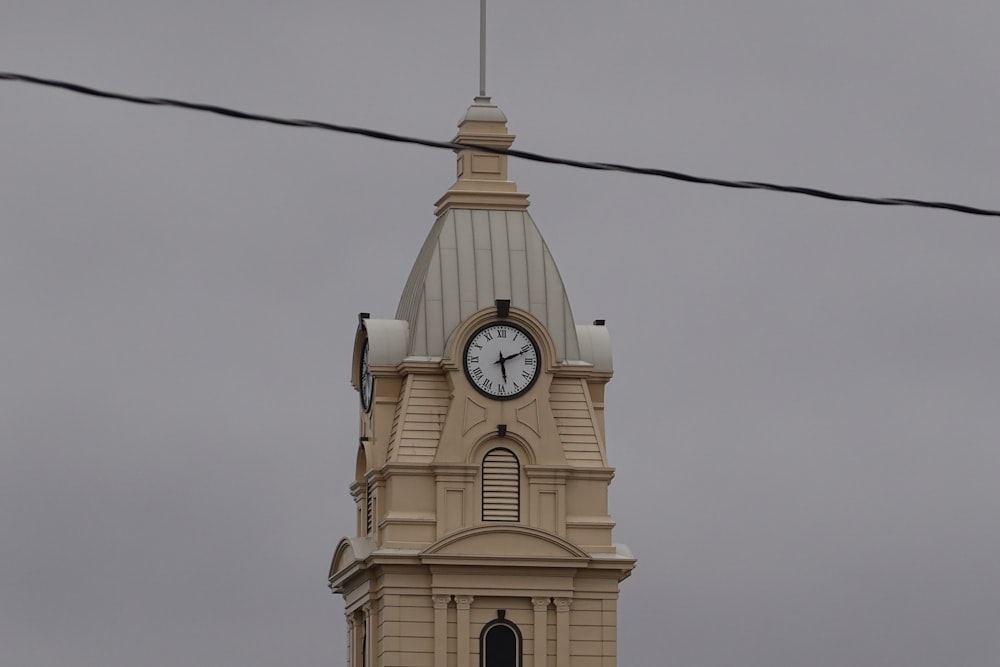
[364,367]
[526,334]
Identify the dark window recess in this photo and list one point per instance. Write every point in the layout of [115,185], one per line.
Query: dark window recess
[501,647]
[500,644]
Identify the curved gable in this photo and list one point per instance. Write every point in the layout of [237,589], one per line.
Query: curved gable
[349,551]
[504,541]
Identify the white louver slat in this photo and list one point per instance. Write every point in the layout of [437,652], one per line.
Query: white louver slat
[501,486]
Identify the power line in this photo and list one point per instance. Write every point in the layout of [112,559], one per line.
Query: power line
[524,155]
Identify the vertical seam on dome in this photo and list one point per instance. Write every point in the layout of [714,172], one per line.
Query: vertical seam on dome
[510,265]
[441,260]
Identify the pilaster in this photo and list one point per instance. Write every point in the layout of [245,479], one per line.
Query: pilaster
[562,631]
[368,636]
[541,607]
[350,640]
[441,629]
[463,603]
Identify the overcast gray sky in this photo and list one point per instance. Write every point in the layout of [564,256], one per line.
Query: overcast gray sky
[807,392]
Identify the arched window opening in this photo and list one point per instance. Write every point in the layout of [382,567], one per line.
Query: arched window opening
[500,644]
[501,486]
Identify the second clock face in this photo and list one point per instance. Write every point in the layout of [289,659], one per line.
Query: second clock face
[501,360]
[366,383]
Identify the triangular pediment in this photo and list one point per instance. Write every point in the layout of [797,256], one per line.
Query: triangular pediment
[504,541]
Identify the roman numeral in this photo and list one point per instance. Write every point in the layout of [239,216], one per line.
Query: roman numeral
[477,374]
[474,360]
[525,348]
[529,361]
[502,333]
[487,335]
[526,375]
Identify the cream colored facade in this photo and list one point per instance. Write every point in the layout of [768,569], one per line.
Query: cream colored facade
[483,535]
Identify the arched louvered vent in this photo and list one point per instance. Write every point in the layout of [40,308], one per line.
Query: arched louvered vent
[369,508]
[501,486]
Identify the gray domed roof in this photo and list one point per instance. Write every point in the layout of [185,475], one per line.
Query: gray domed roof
[470,259]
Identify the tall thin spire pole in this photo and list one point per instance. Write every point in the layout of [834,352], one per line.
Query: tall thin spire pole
[482,48]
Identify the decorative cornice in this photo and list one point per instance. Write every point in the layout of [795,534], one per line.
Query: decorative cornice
[589,522]
[419,366]
[409,518]
[455,472]
[579,369]
[481,200]
[602,474]
[541,473]
[409,469]
[375,477]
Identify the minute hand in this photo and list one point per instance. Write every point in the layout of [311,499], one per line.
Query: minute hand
[511,356]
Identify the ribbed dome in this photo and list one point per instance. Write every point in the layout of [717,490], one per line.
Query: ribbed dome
[470,259]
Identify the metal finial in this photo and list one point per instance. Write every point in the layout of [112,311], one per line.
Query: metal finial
[482,48]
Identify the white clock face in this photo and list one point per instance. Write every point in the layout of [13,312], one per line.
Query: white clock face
[501,360]
[365,380]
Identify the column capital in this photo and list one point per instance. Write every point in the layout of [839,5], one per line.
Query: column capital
[540,604]
[441,601]
[463,601]
[562,604]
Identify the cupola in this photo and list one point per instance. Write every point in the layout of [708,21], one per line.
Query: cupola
[483,247]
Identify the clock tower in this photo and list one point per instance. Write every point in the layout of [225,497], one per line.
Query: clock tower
[481,486]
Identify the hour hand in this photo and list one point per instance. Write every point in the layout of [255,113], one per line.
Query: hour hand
[503,369]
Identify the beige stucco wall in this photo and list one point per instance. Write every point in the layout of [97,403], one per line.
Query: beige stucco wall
[577,631]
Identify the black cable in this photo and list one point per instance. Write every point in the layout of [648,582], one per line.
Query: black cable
[524,155]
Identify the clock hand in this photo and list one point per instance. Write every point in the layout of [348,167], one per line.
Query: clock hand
[503,368]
